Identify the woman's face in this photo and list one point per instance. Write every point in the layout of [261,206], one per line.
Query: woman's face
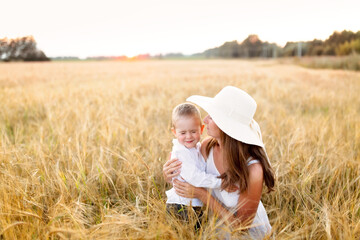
[212,129]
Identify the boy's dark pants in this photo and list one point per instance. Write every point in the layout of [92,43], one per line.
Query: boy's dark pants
[184,212]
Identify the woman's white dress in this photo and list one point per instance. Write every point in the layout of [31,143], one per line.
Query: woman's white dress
[261,226]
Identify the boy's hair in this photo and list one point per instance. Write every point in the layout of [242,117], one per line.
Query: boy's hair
[185,109]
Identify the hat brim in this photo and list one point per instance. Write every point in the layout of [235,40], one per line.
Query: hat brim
[239,131]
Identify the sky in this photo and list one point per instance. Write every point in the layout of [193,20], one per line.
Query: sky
[115,27]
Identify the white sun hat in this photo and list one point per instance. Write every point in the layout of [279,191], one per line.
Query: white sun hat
[232,109]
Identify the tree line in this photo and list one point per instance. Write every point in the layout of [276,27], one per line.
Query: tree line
[21,49]
[338,44]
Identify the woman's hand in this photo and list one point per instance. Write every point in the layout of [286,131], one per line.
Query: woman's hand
[187,190]
[171,169]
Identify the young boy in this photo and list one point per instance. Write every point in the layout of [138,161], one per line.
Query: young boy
[187,128]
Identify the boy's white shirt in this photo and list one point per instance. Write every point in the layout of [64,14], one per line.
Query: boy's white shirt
[192,171]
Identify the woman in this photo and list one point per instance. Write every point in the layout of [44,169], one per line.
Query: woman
[235,152]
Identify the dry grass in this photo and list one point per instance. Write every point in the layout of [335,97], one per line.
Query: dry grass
[350,62]
[82,146]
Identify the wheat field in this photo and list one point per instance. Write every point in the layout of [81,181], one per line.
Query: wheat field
[82,146]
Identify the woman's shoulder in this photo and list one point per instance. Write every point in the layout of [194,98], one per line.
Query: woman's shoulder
[255,171]
[205,141]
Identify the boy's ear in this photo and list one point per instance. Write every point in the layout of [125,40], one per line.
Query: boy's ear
[173,130]
[202,128]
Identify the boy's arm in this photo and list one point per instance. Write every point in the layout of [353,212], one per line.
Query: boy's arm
[193,175]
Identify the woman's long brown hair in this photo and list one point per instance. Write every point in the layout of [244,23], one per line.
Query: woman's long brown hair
[235,155]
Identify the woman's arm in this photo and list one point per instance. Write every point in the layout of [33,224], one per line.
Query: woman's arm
[184,189]
[249,199]
[247,204]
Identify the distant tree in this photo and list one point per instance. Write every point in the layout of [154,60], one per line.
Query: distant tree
[3,48]
[251,46]
[339,43]
[229,50]
[269,50]
[347,48]
[289,49]
[337,39]
[315,48]
[357,35]
[212,53]
[21,49]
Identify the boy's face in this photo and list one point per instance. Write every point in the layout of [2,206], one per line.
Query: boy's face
[187,130]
